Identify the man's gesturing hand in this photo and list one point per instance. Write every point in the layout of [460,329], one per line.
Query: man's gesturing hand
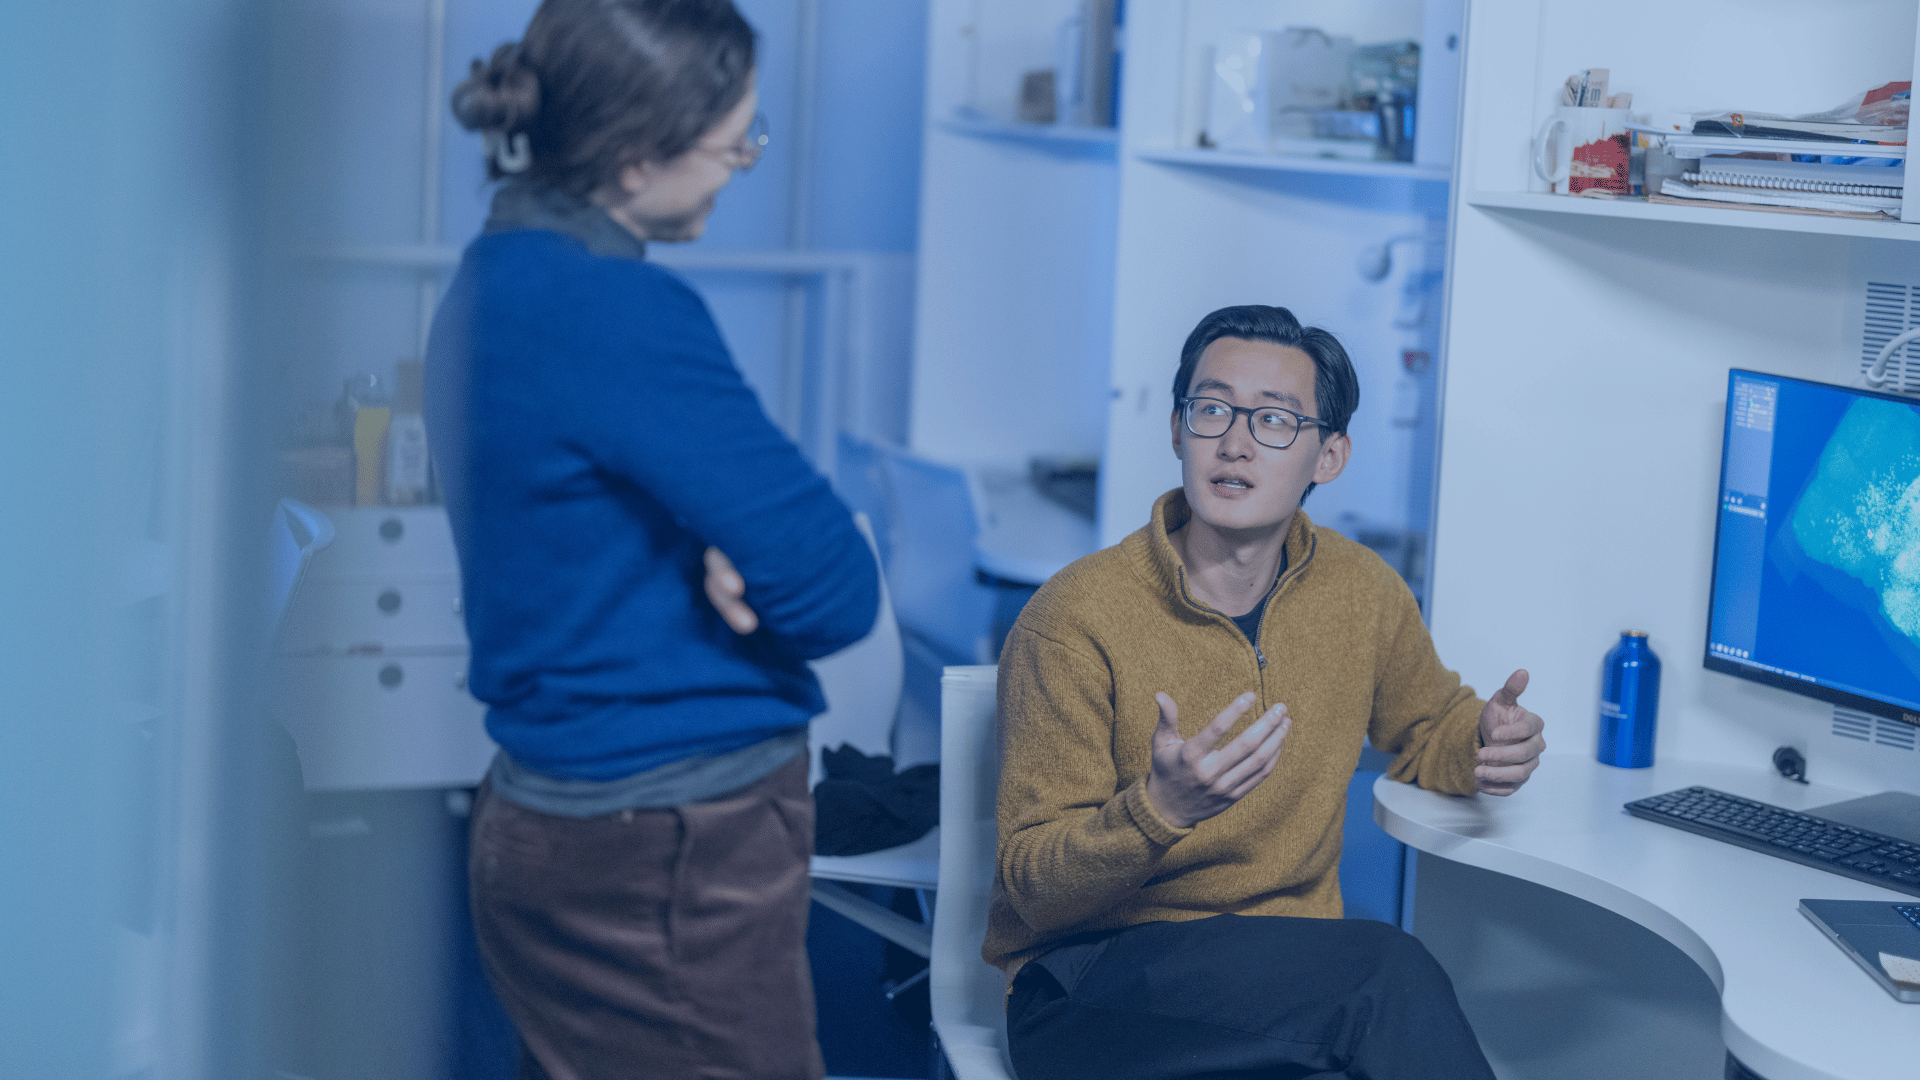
[727,591]
[1194,779]
[1510,742]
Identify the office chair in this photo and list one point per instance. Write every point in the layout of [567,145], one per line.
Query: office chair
[938,597]
[297,533]
[860,479]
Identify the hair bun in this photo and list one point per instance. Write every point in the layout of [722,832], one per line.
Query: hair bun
[502,94]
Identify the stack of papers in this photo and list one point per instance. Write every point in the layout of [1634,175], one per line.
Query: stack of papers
[1848,160]
[1866,189]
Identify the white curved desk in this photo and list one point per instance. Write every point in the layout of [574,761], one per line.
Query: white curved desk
[1792,1005]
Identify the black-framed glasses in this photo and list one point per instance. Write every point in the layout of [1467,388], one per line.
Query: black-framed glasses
[1270,426]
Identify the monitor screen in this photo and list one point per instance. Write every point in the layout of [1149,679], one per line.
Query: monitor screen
[1816,566]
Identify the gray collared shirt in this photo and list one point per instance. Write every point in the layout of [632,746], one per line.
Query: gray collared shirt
[520,205]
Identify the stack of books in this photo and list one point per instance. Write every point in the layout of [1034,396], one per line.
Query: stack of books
[1849,161]
[1872,190]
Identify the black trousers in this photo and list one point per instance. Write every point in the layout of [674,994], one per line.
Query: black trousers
[1241,997]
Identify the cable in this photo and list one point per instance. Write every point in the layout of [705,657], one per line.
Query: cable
[1876,374]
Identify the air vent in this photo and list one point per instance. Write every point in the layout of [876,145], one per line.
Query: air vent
[1852,725]
[1892,309]
[1893,733]
[1862,727]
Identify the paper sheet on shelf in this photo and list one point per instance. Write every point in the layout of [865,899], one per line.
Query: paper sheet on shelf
[1669,200]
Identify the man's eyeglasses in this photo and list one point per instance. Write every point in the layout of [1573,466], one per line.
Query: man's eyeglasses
[1210,418]
[743,155]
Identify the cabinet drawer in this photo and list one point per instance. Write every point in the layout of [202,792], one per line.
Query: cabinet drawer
[366,722]
[376,540]
[336,614]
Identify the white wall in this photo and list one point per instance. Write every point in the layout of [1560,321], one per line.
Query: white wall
[1586,367]
[1193,239]
[1016,273]
[859,170]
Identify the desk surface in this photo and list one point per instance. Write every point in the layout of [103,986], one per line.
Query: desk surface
[1026,537]
[1793,1006]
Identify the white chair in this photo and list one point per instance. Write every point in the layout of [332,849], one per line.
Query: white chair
[968,994]
[862,686]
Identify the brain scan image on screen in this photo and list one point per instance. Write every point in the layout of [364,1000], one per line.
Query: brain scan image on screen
[1857,523]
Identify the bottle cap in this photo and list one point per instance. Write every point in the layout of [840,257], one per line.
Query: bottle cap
[1633,633]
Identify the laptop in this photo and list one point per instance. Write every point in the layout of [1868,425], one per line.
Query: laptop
[1882,937]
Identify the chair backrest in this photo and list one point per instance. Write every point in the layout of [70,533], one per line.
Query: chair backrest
[968,994]
[934,587]
[862,685]
[860,478]
[298,531]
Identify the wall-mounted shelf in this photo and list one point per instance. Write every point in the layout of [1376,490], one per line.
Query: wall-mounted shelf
[1045,136]
[852,285]
[1691,215]
[1224,159]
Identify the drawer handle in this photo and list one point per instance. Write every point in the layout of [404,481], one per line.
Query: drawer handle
[389,601]
[391,676]
[391,530]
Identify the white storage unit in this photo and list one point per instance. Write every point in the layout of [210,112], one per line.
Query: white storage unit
[371,671]
[1586,357]
[1062,267]
[1587,351]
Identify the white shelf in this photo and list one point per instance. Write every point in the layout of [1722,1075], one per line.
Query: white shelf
[1064,136]
[1224,159]
[1690,215]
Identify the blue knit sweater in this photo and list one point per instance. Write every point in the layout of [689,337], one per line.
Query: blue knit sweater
[593,437]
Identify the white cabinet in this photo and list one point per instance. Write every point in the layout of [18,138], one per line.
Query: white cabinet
[389,612]
[394,721]
[1062,268]
[1588,347]
[371,672]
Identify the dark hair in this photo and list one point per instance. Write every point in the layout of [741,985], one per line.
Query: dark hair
[1336,388]
[598,85]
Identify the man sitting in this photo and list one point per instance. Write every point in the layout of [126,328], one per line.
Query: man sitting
[1167,901]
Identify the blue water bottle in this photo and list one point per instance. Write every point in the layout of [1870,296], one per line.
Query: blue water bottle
[1629,703]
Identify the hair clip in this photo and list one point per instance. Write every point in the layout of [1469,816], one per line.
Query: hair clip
[510,155]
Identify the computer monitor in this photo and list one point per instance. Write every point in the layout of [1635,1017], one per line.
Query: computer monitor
[1816,567]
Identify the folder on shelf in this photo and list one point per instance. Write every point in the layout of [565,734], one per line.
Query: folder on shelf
[1693,146]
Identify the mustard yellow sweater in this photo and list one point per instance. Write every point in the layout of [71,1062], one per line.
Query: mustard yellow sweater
[1082,850]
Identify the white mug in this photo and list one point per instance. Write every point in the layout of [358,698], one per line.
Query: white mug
[1581,148]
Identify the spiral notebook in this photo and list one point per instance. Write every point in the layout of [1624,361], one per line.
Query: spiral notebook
[1873,180]
[1871,204]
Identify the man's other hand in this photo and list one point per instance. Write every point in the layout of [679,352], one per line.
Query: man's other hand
[727,591]
[1194,779]
[1510,740]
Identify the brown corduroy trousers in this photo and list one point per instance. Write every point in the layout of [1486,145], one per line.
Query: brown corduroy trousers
[661,943]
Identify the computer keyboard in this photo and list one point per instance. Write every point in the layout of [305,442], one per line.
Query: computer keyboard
[1910,911]
[1788,834]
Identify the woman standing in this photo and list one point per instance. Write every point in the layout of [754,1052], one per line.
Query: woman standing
[640,848]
